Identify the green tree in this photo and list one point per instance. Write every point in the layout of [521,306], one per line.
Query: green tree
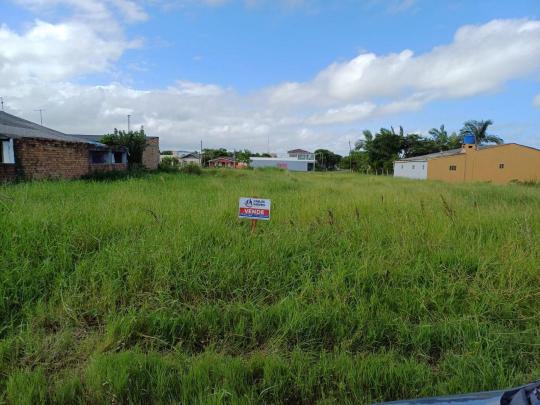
[243,155]
[440,137]
[417,145]
[326,159]
[479,130]
[134,141]
[358,161]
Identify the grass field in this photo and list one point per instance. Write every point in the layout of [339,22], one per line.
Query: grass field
[360,289]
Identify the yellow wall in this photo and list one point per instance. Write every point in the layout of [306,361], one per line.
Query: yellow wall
[520,163]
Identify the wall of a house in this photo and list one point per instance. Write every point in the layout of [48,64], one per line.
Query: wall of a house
[8,172]
[292,165]
[439,168]
[150,158]
[190,160]
[49,159]
[37,159]
[520,163]
[411,170]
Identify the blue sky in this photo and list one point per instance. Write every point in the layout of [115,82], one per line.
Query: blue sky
[308,73]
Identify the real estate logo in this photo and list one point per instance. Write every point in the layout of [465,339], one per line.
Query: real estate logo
[254,208]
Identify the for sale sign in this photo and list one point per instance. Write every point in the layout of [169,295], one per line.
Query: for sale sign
[254,208]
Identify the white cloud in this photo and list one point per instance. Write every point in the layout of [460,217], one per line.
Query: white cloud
[39,68]
[348,113]
[479,60]
[56,52]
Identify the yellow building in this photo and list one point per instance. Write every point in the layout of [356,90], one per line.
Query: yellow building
[490,163]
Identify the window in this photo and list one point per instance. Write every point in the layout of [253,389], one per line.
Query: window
[118,157]
[413,167]
[423,167]
[98,157]
[7,156]
[452,168]
[501,165]
[402,166]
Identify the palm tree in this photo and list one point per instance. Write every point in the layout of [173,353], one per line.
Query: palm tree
[362,143]
[440,136]
[479,130]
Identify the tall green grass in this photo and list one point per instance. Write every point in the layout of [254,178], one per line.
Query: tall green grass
[360,289]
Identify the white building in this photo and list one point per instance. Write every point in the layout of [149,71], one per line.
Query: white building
[417,167]
[297,161]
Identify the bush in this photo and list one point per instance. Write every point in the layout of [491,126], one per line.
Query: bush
[115,175]
[191,168]
[169,164]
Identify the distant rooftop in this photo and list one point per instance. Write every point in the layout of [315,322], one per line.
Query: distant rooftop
[302,151]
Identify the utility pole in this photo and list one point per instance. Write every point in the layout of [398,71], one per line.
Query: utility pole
[268,142]
[129,123]
[200,155]
[2,102]
[40,115]
[350,156]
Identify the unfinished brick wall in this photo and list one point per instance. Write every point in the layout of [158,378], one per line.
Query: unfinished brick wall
[49,159]
[150,158]
[8,172]
[37,159]
[108,167]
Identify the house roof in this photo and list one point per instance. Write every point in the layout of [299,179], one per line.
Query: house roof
[228,159]
[97,138]
[298,151]
[194,155]
[453,152]
[15,127]
[423,158]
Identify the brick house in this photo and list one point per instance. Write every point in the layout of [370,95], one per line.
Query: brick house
[226,162]
[30,151]
[151,154]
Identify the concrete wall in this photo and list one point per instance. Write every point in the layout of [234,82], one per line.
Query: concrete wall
[411,170]
[520,163]
[150,158]
[292,165]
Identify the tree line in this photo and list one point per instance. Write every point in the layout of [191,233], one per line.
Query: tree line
[376,152]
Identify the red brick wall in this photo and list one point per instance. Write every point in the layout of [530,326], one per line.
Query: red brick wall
[8,172]
[49,159]
[150,158]
[108,167]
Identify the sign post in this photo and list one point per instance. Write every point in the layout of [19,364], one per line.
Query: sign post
[256,209]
